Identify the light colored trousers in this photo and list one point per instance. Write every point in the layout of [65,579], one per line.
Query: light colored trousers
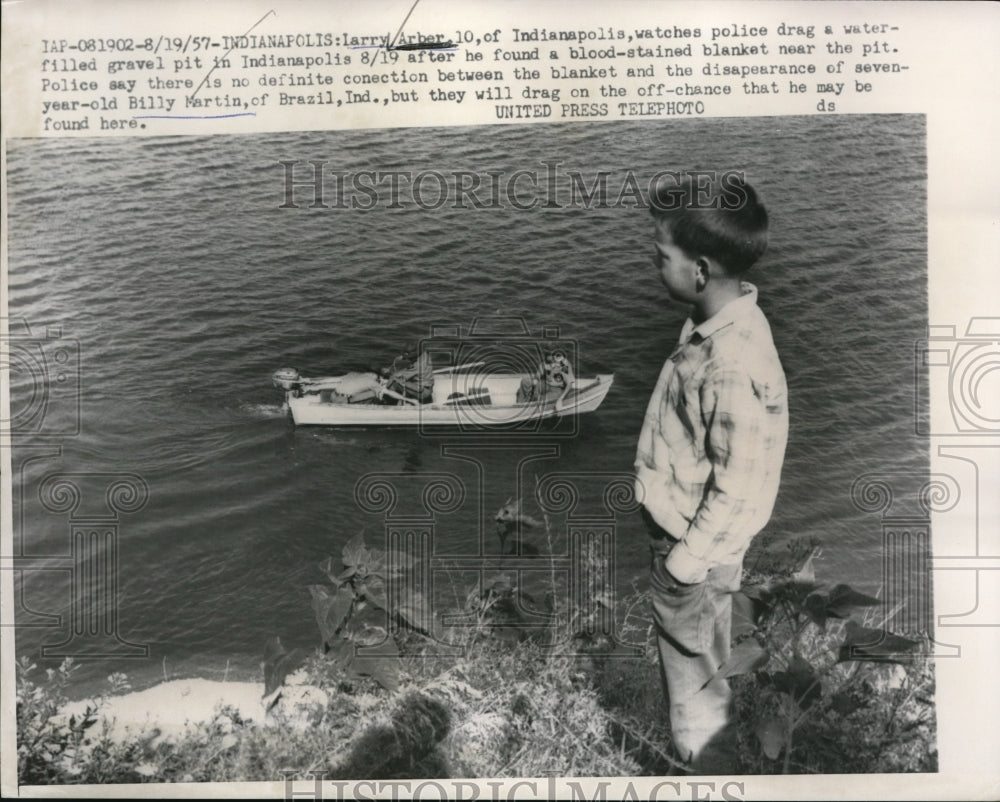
[694,631]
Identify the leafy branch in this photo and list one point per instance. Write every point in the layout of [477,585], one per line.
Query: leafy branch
[778,619]
[367,601]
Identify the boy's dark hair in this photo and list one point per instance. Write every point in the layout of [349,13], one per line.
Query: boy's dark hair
[712,214]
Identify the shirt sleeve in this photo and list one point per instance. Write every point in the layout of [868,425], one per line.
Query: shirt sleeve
[735,419]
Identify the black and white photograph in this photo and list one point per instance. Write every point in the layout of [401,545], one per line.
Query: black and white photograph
[222,272]
[600,454]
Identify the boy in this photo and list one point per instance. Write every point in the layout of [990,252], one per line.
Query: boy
[709,457]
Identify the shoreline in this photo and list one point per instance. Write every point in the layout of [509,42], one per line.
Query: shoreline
[93,679]
[175,708]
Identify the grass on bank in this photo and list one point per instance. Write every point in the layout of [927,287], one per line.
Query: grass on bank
[508,706]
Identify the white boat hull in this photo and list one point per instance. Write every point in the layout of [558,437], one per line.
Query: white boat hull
[461,399]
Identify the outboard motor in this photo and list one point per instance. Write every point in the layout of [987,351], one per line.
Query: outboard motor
[287,379]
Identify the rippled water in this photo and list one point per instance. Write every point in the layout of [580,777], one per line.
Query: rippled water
[170,263]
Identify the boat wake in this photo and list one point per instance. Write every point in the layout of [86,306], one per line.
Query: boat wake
[264,410]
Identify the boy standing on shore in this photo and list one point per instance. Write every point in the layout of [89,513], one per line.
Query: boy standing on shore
[709,457]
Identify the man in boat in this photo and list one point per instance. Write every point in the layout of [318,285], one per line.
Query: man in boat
[558,374]
[550,381]
[405,361]
[709,457]
[414,381]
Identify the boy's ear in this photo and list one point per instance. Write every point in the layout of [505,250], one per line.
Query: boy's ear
[703,270]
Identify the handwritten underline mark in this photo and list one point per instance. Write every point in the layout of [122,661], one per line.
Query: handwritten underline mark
[193,116]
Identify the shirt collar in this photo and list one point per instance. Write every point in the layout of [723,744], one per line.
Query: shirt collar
[726,316]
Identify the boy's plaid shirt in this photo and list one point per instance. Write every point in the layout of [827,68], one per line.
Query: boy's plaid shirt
[713,440]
